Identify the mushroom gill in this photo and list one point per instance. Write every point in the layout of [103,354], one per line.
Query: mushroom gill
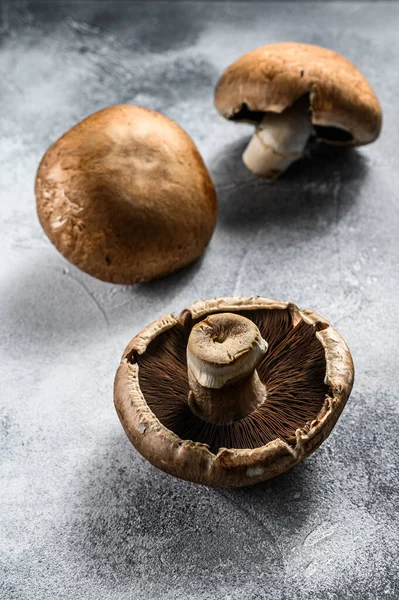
[292,371]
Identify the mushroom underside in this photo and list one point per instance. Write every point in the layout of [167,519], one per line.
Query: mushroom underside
[329,134]
[293,372]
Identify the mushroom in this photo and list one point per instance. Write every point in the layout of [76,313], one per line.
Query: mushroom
[233,391]
[125,196]
[294,91]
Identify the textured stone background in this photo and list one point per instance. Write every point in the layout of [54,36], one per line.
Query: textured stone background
[82,514]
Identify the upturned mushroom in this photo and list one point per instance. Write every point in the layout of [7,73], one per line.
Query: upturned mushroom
[233,391]
[292,92]
[125,196]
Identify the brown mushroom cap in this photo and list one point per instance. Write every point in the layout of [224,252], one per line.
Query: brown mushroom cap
[273,77]
[308,372]
[125,196]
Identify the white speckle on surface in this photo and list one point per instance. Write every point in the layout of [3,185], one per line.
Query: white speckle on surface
[59,222]
[318,535]
[254,471]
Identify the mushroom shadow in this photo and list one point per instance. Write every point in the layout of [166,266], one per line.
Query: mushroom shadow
[171,284]
[321,188]
[53,304]
[132,517]
[48,303]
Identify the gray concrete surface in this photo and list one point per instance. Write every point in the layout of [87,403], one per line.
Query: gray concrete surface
[82,515]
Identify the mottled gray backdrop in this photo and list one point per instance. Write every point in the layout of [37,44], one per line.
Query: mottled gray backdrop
[83,516]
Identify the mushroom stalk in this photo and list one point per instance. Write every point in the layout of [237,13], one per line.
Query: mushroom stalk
[279,140]
[223,352]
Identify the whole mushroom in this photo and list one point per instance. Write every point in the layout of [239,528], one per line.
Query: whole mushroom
[125,196]
[292,92]
[234,391]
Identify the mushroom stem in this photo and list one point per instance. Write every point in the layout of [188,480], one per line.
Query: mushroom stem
[279,140]
[223,352]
